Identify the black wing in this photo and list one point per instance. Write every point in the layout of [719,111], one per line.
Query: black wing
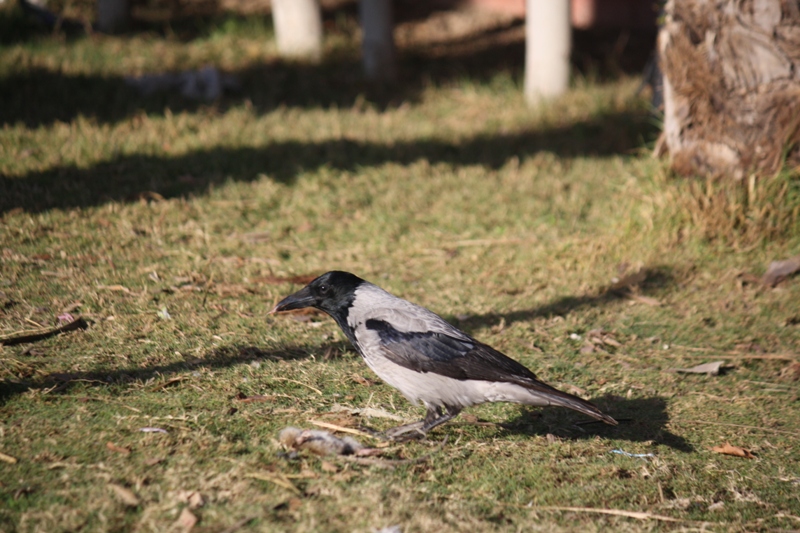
[448,356]
[465,358]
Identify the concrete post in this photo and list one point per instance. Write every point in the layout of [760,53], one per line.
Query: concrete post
[298,28]
[547,47]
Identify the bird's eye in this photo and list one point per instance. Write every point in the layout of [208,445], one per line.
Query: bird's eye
[323,289]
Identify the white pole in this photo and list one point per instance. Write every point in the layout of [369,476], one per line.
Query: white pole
[298,28]
[377,44]
[547,45]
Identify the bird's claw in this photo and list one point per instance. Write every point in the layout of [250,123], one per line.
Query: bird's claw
[406,432]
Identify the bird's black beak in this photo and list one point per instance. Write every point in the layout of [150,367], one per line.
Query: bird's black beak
[299,300]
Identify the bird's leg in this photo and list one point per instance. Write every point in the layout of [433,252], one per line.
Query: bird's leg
[413,430]
[435,416]
[449,413]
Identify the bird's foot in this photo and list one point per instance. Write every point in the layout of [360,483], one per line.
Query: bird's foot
[407,432]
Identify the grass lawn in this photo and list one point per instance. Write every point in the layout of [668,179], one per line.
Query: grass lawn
[173,227]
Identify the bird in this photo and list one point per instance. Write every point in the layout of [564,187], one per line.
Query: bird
[423,356]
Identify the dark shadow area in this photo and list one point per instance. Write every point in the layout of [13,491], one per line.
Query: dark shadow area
[647,281]
[41,96]
[220,358]
[127,178]
[641,420]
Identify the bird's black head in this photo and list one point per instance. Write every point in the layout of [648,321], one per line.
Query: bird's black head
[332,292]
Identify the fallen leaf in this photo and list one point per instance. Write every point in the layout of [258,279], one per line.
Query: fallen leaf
[118,449]
[711,369]
[728,449]
[186,520]
[153,461]
[780,270]
[125,495]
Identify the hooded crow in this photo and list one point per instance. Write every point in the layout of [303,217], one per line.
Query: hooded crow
[428,360]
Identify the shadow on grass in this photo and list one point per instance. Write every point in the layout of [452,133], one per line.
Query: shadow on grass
[640,420]
[650,280]
[41,96]
[127,178]
[59,383]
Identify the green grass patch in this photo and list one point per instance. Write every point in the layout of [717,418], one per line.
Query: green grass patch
[513,223]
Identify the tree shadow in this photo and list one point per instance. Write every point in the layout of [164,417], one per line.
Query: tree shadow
[640,420]
[41,96]
[649,280]
[126,178]
[62,382]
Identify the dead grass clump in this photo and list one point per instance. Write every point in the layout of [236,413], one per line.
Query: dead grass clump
[743,212]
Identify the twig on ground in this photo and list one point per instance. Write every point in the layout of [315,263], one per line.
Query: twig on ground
[7,458]
[614,512]
[78,323]
[343,429]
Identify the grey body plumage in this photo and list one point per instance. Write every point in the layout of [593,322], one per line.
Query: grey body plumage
[423,356]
